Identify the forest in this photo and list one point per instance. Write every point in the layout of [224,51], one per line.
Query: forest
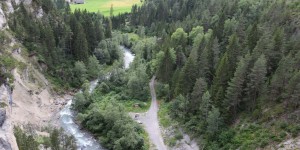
[228,72]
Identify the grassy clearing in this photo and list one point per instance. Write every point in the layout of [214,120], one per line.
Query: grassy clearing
[164,118]
[103,6]
[129,105]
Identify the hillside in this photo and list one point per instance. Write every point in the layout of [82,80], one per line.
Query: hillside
[222,74]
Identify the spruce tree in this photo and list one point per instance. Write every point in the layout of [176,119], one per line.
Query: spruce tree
[235,89]
[80,44]
[214,122]
[257,78]
[281,78]
[196,96]
[187,76]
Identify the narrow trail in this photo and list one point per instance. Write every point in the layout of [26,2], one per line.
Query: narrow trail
[150,120]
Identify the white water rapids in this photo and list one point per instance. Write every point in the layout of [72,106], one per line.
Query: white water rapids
[84,140]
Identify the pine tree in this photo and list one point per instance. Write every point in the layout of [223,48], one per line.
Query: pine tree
[214,122]
[81,46]
[166,65]
[281,77]
[196,96]
[216,53]
[108,31]
[234,51]
[187,76]
[205,105]
[204,69]
[293,91]
[257,78]
[253,37]
[235,89]
[220,82]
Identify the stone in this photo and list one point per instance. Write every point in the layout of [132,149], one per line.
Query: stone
[2,116]
[4,145]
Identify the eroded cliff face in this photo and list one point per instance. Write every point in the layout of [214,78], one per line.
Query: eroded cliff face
[3,21]
[36,108]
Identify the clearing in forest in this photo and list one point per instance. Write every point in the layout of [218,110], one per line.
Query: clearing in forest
[119,6]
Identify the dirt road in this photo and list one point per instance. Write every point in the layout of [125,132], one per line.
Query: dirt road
[150,120]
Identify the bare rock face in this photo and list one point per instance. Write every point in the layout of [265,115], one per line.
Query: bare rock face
[2,19]
[2,116]
[4,145]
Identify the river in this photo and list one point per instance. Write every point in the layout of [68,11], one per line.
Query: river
[84,140]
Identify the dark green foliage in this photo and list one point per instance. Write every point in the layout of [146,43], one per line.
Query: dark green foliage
[57,140]
[109,122]
[59,37]
[166,65]
[235,90]
[244,52]
[24,141]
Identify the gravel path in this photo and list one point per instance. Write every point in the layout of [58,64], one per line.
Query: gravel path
[150,120]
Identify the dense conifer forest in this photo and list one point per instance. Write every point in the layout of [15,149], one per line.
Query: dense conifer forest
[228,72]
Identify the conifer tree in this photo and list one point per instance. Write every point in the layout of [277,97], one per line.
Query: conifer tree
[281,78]
[235,89]
[205,105]
[257,78]
[81,46]
[187,76]
[196,96]
[214,122]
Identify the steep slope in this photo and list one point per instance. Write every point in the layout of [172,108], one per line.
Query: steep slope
[32,100]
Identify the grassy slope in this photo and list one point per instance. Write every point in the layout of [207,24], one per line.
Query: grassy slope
[119,6]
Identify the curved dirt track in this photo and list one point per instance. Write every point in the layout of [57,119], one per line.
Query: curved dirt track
[150,121]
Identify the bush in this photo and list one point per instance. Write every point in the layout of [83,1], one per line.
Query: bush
[294,130]
[178,135]
[264,143]
[282,134]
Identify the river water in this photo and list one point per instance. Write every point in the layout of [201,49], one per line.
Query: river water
[84,140]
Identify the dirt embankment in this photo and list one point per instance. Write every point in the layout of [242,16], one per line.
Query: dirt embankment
[33,101]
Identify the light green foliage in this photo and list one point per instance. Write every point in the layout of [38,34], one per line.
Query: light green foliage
[138,83]
[24,141]
[80,102]
[109,118]
[205,105]
[104,6]
[93,67]
[80,72]
[196,31]
[179,37]
[145,48]
[27,140]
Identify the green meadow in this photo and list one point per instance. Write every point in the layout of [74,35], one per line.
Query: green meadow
[103,6]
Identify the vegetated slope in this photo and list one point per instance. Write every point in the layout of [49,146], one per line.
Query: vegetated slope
[58,38]
[230,69]
[104,6]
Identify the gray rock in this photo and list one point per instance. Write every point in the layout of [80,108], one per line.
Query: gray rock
[2,116]
[4,145]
